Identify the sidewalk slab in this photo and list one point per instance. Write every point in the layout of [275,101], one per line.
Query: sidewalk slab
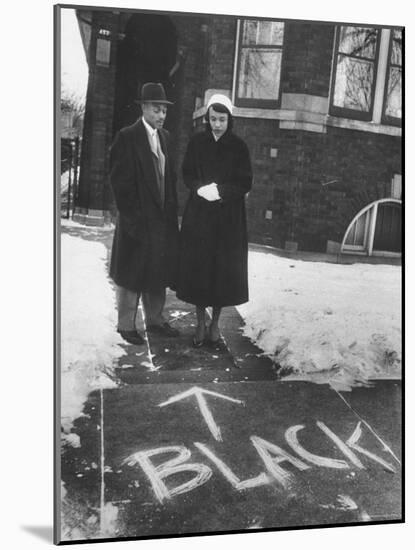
[177,360]
[379,405]
[138,431]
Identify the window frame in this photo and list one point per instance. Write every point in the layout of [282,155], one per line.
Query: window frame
[344,112]
[257,102]
[371,213]
[387,119]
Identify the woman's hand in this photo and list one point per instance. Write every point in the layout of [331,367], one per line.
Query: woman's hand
[209,192]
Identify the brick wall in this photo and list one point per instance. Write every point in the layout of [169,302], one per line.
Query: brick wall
[94,192]
[210,43]
[189,79]
[316,183]
[312,184]
[221,46]
[308,50]
[307,186]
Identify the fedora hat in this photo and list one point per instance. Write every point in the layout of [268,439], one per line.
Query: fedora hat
[153,92]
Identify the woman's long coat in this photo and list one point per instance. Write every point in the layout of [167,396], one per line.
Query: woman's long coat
[213,240]
[145,246]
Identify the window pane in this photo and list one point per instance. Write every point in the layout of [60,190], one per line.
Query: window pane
[394,99]
[358,41]
[356,235]
[262,33]
[388,230]
[271,33]
[353,88]
[259,74]
[250,31]
[396,55]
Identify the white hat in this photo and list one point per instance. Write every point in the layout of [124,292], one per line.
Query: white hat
[222,100]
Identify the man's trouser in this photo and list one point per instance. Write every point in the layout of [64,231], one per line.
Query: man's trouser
[127,303]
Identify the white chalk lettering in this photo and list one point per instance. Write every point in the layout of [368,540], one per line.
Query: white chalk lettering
[352,443]
[261,479]
[207,415]
[342,446]
[292,440]
[266,450]
[156,474]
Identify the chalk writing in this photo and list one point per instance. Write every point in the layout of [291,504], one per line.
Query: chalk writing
[352,442]
[271,455]
[156,474]
[345,450]
[291,438]
[261,479]
[204,409]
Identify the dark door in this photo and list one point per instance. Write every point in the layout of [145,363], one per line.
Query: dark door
[146,54]
[388,230]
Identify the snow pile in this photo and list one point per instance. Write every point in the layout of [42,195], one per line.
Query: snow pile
[88,320]
[64,182]
[89,230]
[325,322]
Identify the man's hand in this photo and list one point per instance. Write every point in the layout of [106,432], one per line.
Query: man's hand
[209,192]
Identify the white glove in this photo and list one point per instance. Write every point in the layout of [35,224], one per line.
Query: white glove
[209,192]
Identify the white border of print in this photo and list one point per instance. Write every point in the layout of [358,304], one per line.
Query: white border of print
[27,275]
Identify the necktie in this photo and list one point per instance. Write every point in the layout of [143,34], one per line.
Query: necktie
[160,156]
[161,162]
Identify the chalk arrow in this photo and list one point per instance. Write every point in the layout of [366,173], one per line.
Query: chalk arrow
[204,409]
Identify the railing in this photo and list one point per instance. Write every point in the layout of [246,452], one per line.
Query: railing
[70,148]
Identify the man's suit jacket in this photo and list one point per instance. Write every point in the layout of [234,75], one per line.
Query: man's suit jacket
[145,247]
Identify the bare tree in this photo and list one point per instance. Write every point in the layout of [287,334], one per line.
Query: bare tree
[74,105]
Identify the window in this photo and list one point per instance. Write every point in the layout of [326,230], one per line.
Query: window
[103,53]
[259,63]
[376,230]
[392,110]
[367,74]
[354,74]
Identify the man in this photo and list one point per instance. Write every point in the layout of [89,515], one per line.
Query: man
[145,247]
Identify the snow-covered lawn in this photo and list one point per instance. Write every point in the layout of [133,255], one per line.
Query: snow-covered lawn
[321,322]
[325,322]
[89,342]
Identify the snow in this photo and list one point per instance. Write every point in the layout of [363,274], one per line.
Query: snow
[325,322]
[64,182]
[88,319]
[89,230]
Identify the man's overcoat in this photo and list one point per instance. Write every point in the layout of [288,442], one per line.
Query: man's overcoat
[213,239]
[145,247]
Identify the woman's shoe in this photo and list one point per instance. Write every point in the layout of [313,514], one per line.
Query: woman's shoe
[199,343]
[217,343]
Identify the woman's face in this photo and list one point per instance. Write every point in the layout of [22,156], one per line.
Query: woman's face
[218,122]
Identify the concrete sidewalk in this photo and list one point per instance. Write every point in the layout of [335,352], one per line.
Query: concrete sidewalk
[201,440]
[206,440]
[174,458]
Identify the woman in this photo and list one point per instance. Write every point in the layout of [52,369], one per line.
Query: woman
[214,247]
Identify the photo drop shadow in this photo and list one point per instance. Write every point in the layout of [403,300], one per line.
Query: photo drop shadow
[43,532]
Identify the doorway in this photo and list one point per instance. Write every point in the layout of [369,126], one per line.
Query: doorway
[145,54]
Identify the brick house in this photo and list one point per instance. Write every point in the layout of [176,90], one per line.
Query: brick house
[318,104]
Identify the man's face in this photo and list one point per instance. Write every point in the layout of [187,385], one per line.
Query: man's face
[154,114]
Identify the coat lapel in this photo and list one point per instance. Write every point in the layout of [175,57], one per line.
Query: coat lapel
[145,156]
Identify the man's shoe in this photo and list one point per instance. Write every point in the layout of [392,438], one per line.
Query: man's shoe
[164,330]
[132,337]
